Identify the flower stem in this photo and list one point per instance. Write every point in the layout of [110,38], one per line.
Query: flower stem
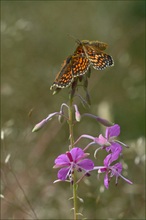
[71,146]
[75,197]
[71,121]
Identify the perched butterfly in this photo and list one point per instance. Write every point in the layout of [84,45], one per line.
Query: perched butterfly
[87,54]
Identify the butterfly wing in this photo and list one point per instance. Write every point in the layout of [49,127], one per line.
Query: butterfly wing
[80,65]
[98,59]
[95,44]
[65,77]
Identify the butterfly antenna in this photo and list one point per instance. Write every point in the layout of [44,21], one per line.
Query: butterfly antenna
[76,40]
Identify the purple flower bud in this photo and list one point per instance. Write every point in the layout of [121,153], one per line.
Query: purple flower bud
[39,125]
[100,120]
[104,121]
[44,121]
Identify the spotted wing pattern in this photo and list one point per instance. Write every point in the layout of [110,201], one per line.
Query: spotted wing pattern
[74,66]
[65,77]
[98,59]
[80,65]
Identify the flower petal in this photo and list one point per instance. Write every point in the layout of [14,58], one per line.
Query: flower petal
[77,153]
[114,147]
[112,131]
[112,157]
[101,141]
[62,174]
[108,160]
[117,169]
[62,160]
[106,181]
[86,164]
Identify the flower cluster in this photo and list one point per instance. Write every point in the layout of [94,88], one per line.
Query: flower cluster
[114,149]
[75,160]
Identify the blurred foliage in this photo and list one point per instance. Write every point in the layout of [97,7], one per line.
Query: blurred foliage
[34,43]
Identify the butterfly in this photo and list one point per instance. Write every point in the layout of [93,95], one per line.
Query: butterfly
[87,53]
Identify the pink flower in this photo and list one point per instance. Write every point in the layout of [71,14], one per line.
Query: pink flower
[111,170]
[72,160]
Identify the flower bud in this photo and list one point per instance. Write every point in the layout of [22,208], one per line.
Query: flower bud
[77,114]
[104,122]
[39,125]
[44,121]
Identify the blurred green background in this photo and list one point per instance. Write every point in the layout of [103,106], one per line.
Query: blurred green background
[34,43]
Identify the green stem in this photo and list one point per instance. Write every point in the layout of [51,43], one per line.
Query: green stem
[71,144]
[71,121]
[75,197]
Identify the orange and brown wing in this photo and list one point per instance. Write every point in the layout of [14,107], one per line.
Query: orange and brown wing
[65,77]
[80,65]
[100,60]
[97,58]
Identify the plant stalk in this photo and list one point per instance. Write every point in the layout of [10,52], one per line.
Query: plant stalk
[71,146]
